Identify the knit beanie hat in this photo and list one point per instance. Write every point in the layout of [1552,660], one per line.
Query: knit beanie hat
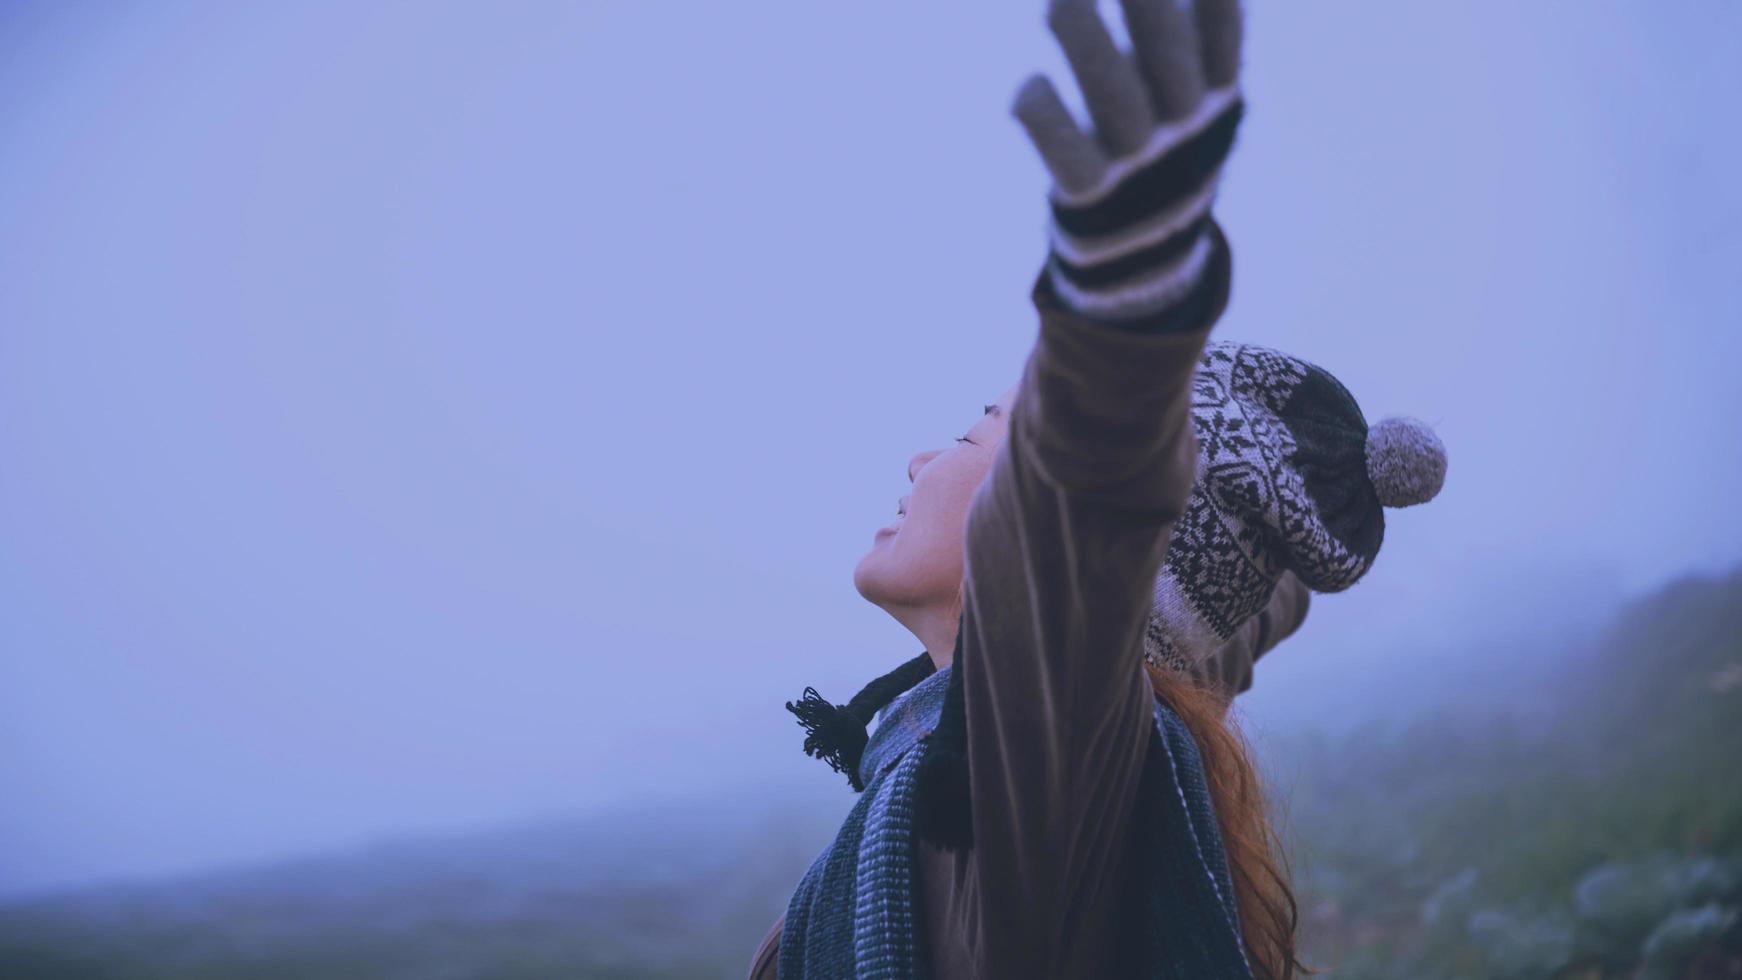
[1290,479]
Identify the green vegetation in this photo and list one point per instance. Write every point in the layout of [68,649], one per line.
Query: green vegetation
[1598,837]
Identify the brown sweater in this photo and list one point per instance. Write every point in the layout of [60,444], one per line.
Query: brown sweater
[1064,540]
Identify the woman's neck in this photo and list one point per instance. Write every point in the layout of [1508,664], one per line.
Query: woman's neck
[935,627]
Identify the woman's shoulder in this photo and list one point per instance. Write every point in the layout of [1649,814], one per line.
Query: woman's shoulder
[763,965]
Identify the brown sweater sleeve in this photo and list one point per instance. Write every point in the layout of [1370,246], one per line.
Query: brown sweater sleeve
[1064,541]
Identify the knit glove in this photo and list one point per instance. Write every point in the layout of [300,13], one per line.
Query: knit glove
[1130,228]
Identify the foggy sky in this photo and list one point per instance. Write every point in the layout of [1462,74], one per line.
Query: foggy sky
[419,416]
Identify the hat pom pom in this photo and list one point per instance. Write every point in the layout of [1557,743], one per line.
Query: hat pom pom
[1405,461]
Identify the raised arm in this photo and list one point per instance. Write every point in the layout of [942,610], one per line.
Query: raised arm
[1066,535]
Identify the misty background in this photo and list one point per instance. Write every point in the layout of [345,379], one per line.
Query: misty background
[422,419]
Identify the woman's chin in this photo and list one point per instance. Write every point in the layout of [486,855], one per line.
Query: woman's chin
[889,585]
[865,577]
[877,576]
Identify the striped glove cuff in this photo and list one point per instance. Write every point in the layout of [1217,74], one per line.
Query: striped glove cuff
[1137,242]
[1130,232]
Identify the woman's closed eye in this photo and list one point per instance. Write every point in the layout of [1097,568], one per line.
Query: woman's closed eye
[990,410]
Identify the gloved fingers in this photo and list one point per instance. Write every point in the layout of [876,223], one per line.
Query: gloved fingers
[1220,30]
[1074,159]
[1112,89]
[1165,44]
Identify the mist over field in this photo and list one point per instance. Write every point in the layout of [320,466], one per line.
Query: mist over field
[1592,830]
[436,438]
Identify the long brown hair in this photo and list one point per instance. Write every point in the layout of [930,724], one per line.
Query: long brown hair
[1256,861]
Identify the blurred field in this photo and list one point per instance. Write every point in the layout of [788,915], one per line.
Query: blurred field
[1599,836]
[1596,836]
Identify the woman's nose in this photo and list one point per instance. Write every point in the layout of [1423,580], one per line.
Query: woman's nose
[918,462]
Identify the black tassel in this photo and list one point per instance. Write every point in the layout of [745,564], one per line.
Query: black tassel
[944,805]
[832,734]
[836,733]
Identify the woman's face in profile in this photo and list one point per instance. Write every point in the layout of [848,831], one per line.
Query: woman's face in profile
[916,560]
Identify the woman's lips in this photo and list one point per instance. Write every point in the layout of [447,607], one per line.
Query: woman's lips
[900,515]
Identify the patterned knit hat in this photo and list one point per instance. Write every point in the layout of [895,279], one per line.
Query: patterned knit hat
[1290,478]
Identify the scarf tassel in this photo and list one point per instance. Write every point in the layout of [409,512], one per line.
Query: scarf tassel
[837,733]
[832,733]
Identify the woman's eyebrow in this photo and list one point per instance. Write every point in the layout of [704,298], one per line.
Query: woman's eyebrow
[994,410]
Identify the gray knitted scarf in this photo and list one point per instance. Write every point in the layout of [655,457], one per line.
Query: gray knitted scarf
[854,913]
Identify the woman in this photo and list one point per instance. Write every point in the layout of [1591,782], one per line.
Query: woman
[1055,794]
